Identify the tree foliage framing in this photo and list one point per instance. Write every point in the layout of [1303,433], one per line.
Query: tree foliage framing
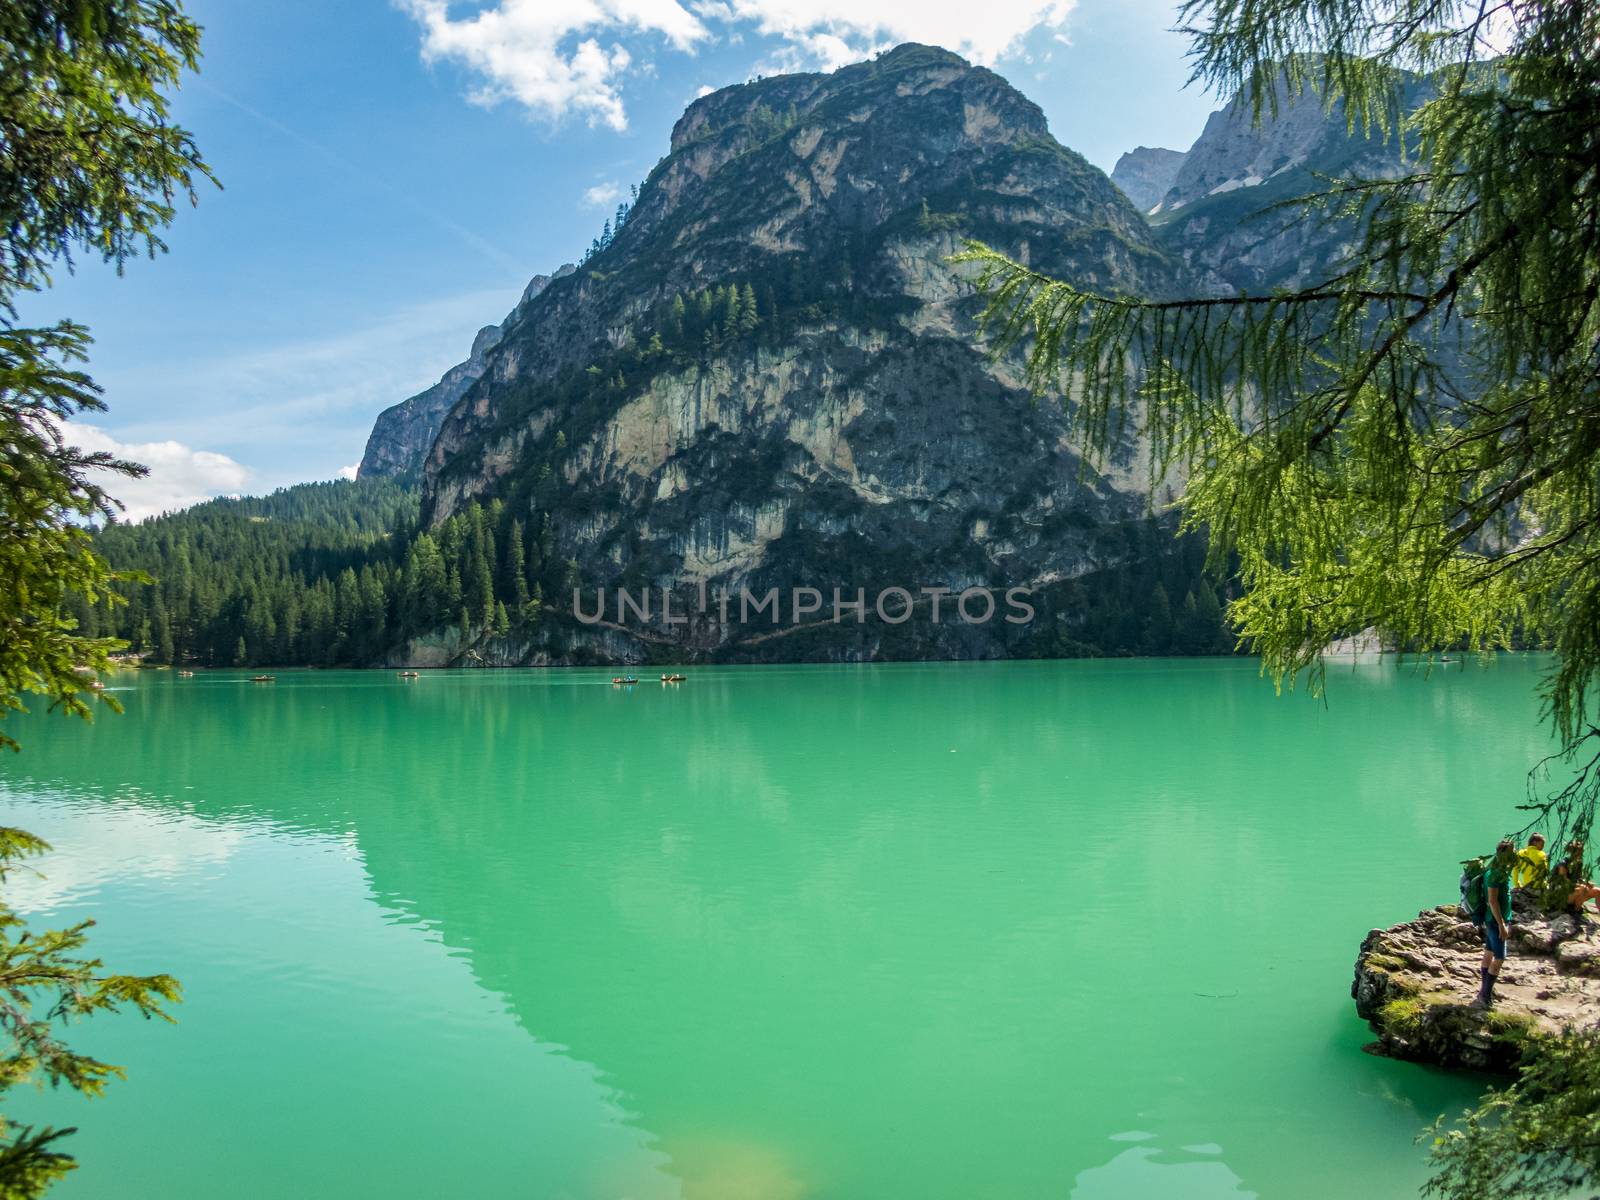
[44,985]
[89,162]
[1413,441]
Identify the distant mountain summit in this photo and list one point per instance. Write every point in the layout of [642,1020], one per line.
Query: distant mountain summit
[1146,174]
[402,436]
[1219,214]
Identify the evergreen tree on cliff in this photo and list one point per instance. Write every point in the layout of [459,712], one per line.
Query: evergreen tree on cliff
[1413,441]
[89,163]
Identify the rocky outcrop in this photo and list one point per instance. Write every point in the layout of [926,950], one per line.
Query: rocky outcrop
[1146,174]
[402,435]
[1415,983]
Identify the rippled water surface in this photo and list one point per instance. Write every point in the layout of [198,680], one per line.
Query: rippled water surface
[968,931]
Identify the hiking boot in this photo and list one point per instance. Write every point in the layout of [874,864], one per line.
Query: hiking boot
[1486,982]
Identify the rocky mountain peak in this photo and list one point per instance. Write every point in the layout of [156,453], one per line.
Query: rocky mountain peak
[1146,174]
[484,341]
[769,373]
[403,434]
[1236,151]
[908,67]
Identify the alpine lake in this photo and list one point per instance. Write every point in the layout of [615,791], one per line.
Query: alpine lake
[969,931]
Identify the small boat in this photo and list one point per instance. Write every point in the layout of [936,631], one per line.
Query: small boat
[673,678]
[185,674]
[263,679]
[622,680]
[96,686]
[409,674]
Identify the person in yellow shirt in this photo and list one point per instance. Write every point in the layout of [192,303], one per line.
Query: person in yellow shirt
[1533,868]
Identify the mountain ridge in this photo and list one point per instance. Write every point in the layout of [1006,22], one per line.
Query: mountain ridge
[769,375]
[844,428]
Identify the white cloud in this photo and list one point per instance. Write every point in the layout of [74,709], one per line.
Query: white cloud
[112,841]
[536,53]
[834,32]
[179,476]
[350,471]
[559,57]
[603,195]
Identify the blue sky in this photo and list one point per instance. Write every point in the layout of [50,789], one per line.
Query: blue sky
[394,172]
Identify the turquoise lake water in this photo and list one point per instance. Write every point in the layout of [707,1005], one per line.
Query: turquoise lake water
[1003,930]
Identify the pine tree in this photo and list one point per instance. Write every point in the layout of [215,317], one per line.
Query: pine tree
[426,586]
[748,317]
[48,985]
[93,166]
[514,570]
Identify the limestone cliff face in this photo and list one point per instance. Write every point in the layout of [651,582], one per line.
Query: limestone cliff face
[839,424]
[1146,174]
[402,435]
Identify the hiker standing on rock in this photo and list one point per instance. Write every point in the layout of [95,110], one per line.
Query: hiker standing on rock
[1498,892]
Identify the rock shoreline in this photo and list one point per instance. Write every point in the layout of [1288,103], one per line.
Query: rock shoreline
[1415,983]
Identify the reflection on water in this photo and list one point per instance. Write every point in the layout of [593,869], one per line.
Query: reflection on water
[944,931]
[1195,1173]
[99,841]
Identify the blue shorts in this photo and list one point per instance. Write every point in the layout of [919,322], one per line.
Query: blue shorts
[1492,938]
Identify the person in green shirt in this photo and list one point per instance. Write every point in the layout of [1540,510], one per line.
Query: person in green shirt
[1496,920]
[1533,868]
